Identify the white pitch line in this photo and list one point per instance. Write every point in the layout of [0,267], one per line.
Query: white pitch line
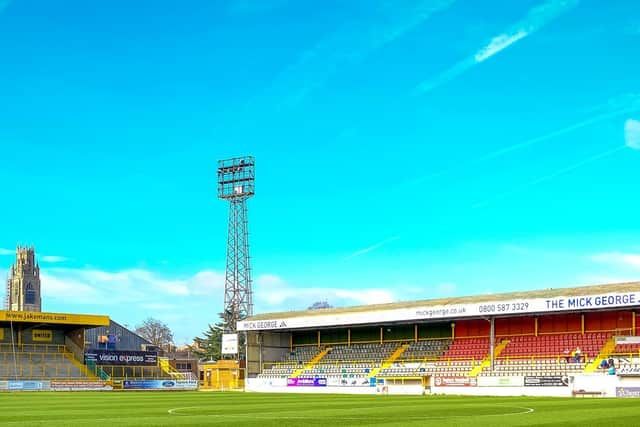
[175,411]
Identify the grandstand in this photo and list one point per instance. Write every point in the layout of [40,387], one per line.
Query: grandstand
[44,346]
[39,361]
[41,351]
[539,338]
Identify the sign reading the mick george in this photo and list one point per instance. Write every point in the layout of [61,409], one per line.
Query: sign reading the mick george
[448,311]
[121,358]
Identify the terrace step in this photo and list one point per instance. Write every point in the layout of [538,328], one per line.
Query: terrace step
[604,353]
[387,363]
[486,362]
[318,357]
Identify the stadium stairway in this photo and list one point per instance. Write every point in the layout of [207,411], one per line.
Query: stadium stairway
[318,357]
[606,350]
[169,370]
[387,363]
[83,368]
[486,362]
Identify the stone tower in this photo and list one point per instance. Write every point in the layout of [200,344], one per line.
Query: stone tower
[23,285]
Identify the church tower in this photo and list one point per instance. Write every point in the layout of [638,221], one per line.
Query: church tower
[23,285]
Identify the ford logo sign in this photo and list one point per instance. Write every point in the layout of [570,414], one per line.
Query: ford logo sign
[168,384]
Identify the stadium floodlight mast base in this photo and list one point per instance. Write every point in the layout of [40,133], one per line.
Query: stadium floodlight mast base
[236,184]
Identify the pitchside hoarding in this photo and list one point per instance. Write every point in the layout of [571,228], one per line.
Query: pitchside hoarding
[488,308]
[121,358]
[15,385]
[629,371]
[550,381]
[501,381]
[306,382]
[79,385]
[455,381]
[628,392]
[160,384]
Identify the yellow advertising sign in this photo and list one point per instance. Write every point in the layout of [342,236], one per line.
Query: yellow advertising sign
[54,318]
[42,335]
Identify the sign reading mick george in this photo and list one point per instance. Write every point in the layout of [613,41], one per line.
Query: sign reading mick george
[121,358]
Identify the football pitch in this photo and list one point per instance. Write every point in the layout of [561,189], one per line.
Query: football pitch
[244,409]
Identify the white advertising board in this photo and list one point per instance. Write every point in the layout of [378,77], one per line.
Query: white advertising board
[488,308]
[229,343]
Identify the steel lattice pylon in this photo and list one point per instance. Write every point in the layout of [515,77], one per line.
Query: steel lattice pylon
[236,184]
[238,302]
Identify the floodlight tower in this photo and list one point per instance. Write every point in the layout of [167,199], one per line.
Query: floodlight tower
[236,180]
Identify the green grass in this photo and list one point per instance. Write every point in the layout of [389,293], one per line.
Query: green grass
[240,409]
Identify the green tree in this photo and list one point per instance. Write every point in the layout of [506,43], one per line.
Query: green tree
[209,346]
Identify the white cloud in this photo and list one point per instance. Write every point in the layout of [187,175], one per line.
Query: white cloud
[535,20]
[368,249]
[4,251]
[53,258]
[269,280]
[618,258]
[632,134]
[446,289]
[134,286]
[129,296]
[499,43]
[284,297]
[272,293]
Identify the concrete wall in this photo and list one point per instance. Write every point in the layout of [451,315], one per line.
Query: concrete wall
[265,347]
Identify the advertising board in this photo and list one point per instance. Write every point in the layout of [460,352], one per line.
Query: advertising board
[629,371]
[306,382]
[489,308]
[550,381]
[351,382]
[12,385]
[160,384]
[628,340]
[229,343]
[455,381]
[500,381]
[79,385]
[121,358]
[42,335]
[628,392]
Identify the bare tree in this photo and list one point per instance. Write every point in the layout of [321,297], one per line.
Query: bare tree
[156,332]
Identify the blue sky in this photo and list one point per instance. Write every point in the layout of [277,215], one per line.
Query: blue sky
[407,149]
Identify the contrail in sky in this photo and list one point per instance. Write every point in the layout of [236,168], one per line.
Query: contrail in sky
[529,142]
[352,43]
[536,19]
[550,176]
[371,248]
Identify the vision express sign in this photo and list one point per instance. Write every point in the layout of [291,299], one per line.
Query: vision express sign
[121,358]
